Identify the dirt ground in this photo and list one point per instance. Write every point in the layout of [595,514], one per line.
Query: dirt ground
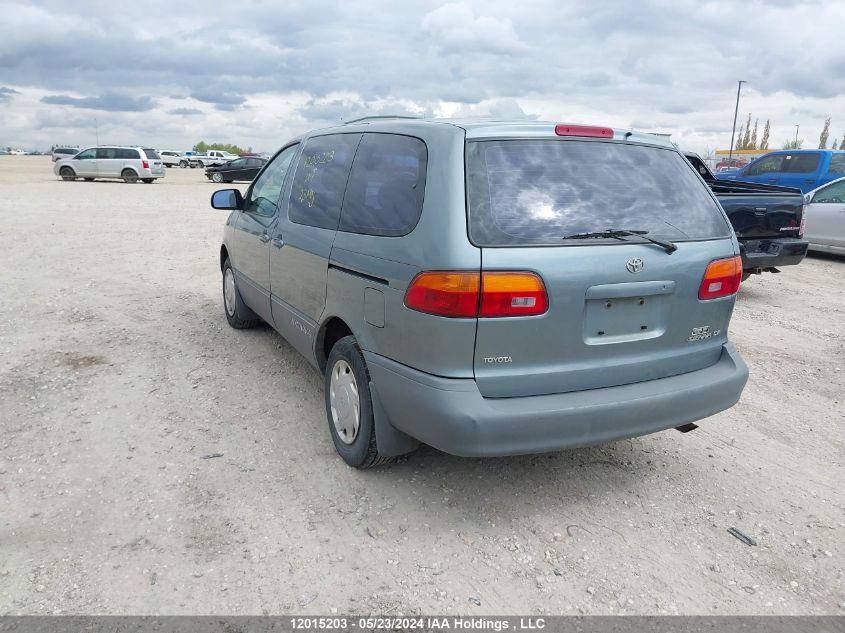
[119,377]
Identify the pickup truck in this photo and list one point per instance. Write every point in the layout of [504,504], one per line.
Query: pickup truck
[210,158]
[805,169]
[768,220]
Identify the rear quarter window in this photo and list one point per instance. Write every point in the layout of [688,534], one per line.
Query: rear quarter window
[538,191]
[151,154]
[384,195]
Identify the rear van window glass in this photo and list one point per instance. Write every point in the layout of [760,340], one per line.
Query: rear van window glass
[384,195]
[151,154]
[126,154]
[320,180]
[108,153]
[538,191]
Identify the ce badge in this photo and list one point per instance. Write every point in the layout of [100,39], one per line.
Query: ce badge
[634,265]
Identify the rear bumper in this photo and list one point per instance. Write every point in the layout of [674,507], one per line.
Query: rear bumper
[451,415]
[765,253]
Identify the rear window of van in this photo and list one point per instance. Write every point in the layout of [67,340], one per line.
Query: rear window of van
[538,191]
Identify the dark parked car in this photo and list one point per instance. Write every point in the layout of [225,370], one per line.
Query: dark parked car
[238,169]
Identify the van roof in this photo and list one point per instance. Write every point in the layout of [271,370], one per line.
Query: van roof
[488,128]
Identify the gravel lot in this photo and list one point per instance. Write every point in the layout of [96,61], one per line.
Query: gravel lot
[118,374]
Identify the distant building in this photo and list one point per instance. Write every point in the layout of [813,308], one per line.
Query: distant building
[739,157]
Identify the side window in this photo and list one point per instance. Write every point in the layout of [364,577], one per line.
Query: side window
[127,154]
[87,154]
[833,194]
[320,180]
[264,195]
[238,164]
[386,186]
[837,164]
[801,163]
[106,152]
[766,165]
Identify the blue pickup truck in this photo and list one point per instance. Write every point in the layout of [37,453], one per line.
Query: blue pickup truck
[804,169]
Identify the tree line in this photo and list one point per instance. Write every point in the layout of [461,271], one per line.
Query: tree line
[202,147]
[747,137]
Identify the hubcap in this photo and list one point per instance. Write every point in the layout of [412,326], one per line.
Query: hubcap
[229,292]
[217,177]
[344,402]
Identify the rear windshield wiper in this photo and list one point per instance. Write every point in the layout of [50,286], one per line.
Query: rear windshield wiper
[619,234]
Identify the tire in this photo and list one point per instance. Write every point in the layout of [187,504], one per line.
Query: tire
[129,176]
[233,305]
[89,180]
[347,394]
[148,181]
[67,173]
[183,164]
[217,177]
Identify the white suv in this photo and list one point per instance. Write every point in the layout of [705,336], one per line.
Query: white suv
[130,164]
[172,159]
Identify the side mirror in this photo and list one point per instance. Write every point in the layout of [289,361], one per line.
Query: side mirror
[227,199]
[808,198]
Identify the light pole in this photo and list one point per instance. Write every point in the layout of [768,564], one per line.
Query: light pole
[796,136]
[736,110]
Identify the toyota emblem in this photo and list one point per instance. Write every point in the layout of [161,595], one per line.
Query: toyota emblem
[634,265]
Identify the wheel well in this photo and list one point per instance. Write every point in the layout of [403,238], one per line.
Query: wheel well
[132,169]
[332,331]
[224,255]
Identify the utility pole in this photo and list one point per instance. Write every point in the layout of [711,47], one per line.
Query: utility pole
[796,135]
[736,110]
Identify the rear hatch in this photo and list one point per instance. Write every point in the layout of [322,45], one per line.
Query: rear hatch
[620,310]
[154,161]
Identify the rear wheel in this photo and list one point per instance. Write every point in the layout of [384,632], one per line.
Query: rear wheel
[349,406]
[67,173]
[183,164]
[129,176]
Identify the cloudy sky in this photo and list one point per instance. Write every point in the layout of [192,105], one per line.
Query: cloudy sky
[169,74]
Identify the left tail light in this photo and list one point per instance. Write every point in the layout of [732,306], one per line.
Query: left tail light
[459,294]
[721,279]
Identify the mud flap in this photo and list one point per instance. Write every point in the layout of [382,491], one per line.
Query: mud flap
[390,441]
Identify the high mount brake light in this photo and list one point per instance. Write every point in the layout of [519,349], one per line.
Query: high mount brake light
[721,279]
[562,129]
[469,294]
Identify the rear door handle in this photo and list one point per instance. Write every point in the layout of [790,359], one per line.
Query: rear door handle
[278,242]
[263,238]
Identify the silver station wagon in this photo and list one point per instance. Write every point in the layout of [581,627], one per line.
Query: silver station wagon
[489,288]
[129,164]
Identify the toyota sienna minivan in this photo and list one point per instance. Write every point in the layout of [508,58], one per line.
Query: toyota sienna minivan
[489,288]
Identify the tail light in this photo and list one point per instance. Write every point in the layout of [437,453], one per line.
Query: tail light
[448,294]
[562,129]
[512,294]
[721,279]
[145,164]
[803,221]
[472,294]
